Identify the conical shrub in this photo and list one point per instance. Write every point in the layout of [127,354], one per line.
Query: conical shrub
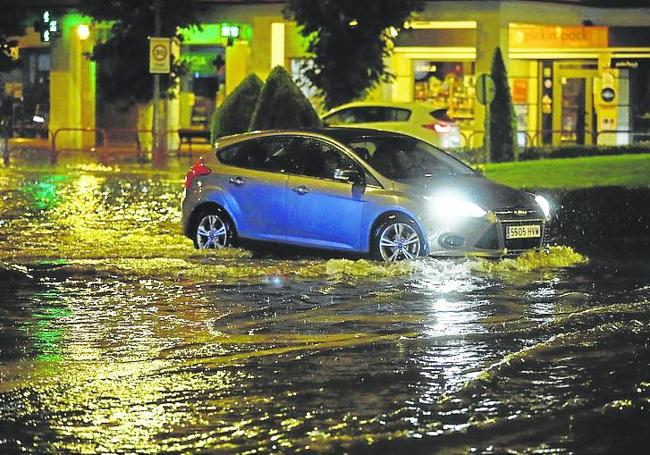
[281,104]
[235,113]
[503,122]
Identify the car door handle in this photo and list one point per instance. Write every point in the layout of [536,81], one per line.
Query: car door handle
[301,190]
[237,181]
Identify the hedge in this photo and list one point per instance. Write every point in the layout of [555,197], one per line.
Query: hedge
[281,104]
[235,114]
[477,155]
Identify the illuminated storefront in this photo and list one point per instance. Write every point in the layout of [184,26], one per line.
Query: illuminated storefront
[579,84]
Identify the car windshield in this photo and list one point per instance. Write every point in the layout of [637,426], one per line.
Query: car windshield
[404,158]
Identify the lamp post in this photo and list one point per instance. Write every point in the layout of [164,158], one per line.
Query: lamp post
[157,152]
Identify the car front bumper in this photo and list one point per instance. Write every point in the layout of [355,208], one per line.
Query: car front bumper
[484,237]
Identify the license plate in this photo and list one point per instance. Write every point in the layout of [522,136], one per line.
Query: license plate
[526,231]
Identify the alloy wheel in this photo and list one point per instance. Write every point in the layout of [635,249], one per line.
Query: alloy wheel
[211,232]
[399,241]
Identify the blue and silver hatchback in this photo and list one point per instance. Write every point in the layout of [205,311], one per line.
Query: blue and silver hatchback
[385,194]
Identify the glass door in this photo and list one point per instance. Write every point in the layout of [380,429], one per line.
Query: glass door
[573,113]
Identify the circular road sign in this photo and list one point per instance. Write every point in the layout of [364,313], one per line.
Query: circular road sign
[159,52]
[485,89]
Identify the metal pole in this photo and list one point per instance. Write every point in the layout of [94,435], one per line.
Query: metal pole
[487,133]
[156,88]
[486,136]
[5,150]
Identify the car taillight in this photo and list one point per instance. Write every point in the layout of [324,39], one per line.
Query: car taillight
[198,169]
[438,127]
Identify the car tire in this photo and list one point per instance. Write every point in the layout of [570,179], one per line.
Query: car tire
[397,238]
[212,228]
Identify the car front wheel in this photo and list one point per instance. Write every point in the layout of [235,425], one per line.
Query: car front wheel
[396,239]
[213,229]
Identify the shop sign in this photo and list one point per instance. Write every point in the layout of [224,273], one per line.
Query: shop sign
[485,89]
[202,60]
[527,36]
[624,63]
[520,90]
[159,55]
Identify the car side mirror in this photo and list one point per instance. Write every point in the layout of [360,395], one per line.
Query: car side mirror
[350,175]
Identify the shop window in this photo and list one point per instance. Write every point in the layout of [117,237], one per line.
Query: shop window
[640,97]
[204,81]
[446,85]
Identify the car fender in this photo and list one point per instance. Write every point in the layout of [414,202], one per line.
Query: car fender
[398,210]
[212,194]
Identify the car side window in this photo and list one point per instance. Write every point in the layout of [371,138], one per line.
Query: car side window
[317,158]
[265,154]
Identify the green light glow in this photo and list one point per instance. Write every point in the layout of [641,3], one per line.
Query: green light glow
[229,31]
[205,34]
[42,194]
[215,33]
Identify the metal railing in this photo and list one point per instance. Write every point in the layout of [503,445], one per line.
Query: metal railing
[474,139]
[133,141]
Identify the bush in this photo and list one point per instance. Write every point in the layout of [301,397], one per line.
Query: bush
[235,114]
[281,104]
[503,123]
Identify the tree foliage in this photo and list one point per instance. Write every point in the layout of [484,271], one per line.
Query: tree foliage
[348,41]
[123,58]
[235,114]
[281,104]
[12,21]
[503,122]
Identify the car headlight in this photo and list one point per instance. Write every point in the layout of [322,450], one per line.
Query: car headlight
[452,206]
[544,205]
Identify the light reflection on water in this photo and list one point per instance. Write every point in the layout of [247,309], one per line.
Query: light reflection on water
[127,340]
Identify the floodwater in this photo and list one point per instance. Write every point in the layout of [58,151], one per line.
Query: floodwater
[117,336]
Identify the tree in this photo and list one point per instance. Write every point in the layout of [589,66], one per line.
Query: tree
[281,104]
[12,17]
[123,59]
[349,41]
[503,122]
[235,114]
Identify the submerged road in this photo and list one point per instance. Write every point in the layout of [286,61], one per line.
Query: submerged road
[117,336]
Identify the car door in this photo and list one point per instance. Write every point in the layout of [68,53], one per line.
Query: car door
[321,210]
[254,183]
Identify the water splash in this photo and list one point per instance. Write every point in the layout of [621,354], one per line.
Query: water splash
[556,257]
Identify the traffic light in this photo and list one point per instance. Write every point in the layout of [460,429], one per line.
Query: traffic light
[48,26]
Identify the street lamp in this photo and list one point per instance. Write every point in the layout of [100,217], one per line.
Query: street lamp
[83,32]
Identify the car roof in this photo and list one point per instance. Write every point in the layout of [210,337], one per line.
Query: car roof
[340,134]
[399,105]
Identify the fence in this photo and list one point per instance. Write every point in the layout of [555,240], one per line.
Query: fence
[474,139]
[137,142]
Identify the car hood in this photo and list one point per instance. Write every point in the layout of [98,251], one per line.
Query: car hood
[474,188]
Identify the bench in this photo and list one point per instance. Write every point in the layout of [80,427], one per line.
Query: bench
[191,136]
